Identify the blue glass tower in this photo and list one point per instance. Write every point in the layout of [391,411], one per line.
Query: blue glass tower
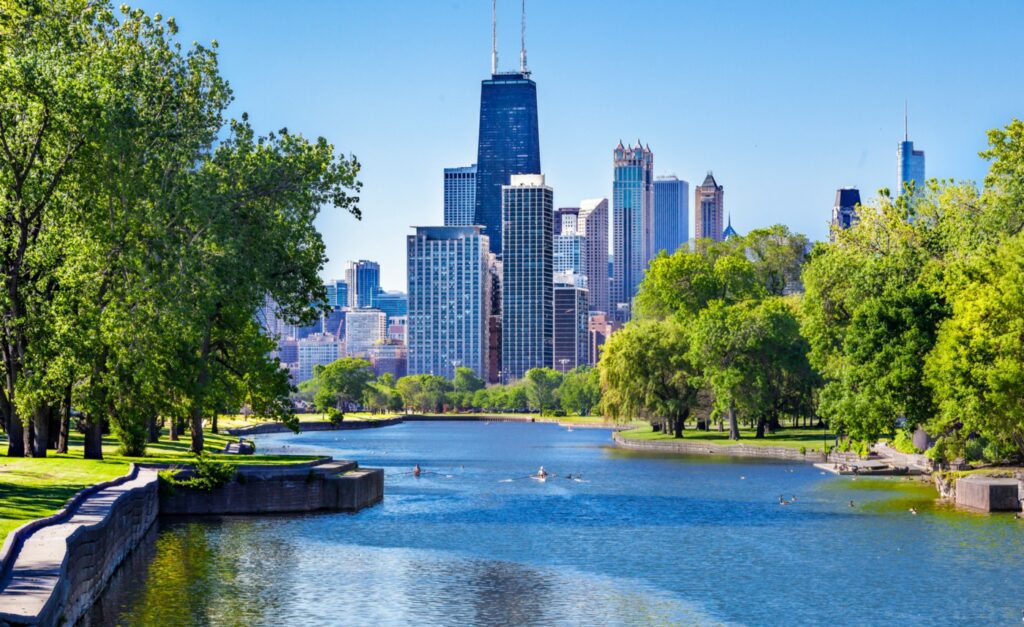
[509,143]
[909,162]
[910,166]
[671,213]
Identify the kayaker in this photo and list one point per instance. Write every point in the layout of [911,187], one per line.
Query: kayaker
[543,474]
[416,470]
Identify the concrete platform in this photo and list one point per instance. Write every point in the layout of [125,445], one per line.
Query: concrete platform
[989,494]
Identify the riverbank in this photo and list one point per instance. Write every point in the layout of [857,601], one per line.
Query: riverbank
[570,422]
[52,570]
[794,445]
[37,487]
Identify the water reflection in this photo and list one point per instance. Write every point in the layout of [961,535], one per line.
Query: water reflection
[644,540]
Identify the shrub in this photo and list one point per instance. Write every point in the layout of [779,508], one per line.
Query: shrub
[974,450]
[335,416]
[803,450]
[996,452]
[939,452]
[206,475]
[904,443]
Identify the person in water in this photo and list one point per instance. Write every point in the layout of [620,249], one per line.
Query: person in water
[542,473]
[416,471]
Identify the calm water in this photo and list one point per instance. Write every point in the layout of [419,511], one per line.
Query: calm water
[641,540]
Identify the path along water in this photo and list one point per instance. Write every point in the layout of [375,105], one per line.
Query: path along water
[640,539]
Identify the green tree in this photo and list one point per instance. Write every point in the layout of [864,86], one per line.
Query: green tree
[424,392]
[580,391]
[977,365]
[777,255]
[542,387]
[682,284]
[647,371]
[466,380]
[341,382]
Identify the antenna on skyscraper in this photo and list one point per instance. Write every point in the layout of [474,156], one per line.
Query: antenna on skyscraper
[906,122]
[522,42]
[494,37]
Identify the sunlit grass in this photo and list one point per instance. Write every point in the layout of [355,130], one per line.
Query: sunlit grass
[809,439]
[32,488]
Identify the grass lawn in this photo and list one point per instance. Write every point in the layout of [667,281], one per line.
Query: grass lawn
[236,421]
[32,488]
[791,438]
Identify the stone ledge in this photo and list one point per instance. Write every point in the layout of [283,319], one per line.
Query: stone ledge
[15,539]
[333,486]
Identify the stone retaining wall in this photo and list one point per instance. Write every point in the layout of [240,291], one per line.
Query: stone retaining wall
[694,447]
[58,568]
[16,538]
[61,568]
[335,486]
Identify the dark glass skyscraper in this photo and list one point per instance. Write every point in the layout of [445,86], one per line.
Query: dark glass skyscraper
[509,143]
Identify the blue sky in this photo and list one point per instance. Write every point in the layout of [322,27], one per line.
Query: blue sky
[784,101]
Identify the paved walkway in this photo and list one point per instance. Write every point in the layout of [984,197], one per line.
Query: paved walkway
[36,572]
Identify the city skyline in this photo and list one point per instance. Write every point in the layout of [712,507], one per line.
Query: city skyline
[765,124]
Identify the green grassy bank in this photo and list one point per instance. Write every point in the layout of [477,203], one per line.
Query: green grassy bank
[32,488]
[809,439]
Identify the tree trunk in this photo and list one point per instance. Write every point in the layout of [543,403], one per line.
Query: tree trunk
[213,423]
[52,427]
[196,424]
[734,429]
[678,424]
[65,422]
[774,424]
[761,424]
[174,429]
[15,438]
[37,436]
[93,439]
[153,430]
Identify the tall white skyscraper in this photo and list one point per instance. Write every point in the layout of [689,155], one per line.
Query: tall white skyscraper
[632,218]
[459,195]
[449,299]
[363,329]
[318,349]
[593,225]
[527,293]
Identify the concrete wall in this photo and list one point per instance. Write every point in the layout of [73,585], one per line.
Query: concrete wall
[336,486]
[693,447]
[989,494]
[95,552]
[61,568]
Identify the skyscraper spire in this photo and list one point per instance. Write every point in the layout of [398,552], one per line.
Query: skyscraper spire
[522,42]
[494,37]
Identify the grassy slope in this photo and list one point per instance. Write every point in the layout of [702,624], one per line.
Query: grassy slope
[791,438]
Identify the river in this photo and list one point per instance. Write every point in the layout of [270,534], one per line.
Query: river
[639,539]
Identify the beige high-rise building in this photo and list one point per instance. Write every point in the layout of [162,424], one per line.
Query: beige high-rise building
[708,209]
[592,224]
